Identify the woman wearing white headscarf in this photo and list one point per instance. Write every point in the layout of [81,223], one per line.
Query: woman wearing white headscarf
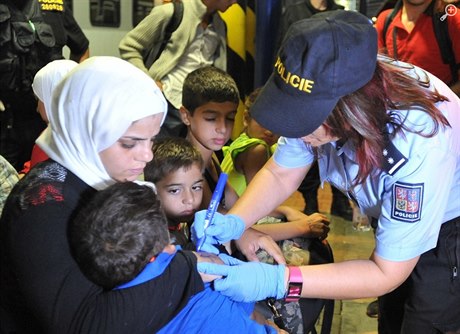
[104,115]
[43,85]
[46,80]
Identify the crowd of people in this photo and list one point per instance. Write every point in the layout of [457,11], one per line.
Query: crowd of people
[118,167]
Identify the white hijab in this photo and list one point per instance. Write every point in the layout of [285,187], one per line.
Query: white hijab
[92,107]
[48,78]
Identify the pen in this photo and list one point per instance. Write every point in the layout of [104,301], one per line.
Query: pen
[213,205]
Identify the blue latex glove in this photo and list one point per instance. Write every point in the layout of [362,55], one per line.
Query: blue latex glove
[246,281]
[223,228]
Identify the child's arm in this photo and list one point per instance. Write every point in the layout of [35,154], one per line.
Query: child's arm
[251,161]
[208,257]
[298,225]
[230,198]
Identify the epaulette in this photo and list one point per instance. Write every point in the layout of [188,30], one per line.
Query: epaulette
[393,159]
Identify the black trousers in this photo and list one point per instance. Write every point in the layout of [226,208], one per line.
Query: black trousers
[428,301]
[20,126]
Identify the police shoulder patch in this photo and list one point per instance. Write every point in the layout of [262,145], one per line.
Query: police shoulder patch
[393,159]
[407,198]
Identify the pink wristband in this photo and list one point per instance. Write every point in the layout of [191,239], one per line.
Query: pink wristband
[294,284]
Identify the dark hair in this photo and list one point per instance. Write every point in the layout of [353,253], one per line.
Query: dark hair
[362,116]
[208,84]
[249,101]
[116,234]
[169,155]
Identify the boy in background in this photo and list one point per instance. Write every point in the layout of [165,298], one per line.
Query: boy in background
[120,239]
[209,105]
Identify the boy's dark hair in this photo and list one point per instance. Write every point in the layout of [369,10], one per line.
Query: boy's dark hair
[251,99]
[169,155]
[116,234]
[208,84]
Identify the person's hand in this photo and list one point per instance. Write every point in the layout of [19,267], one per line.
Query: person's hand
[222,228]
[211,258]
[318,226]
[252,240]
[247,281]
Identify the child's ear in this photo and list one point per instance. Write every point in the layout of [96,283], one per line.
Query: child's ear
[184,115]
[246,118]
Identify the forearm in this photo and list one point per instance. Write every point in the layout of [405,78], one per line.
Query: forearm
[354,279]
[283,231]
[131,50]
[288,214]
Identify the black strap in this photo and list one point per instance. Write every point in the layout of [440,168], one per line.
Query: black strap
[390,18]
[173,24]
[395,47]
[277,317]
[441,31]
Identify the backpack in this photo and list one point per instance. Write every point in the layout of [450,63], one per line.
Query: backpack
[441,32]
[302,316]
[310,308]
[150,56]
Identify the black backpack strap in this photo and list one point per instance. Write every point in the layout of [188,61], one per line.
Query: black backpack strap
[152,55]
[389,19]
[173,24]
[441,31]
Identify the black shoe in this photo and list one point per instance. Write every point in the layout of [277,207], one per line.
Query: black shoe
[373,309]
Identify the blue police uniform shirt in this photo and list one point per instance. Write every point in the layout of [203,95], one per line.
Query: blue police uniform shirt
[416,191]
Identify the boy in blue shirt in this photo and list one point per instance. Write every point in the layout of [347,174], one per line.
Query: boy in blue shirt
[120,239]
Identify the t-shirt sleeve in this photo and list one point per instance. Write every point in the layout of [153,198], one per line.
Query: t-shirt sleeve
[293,153]
[414,204]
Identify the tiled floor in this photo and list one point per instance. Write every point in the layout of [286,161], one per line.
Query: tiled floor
[349,316]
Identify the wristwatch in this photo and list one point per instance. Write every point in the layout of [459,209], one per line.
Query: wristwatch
[294,284]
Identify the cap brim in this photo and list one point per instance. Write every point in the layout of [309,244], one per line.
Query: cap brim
[290,115]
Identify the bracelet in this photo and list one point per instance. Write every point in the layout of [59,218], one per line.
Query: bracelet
[295,284]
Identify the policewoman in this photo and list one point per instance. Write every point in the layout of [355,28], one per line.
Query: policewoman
[388,135]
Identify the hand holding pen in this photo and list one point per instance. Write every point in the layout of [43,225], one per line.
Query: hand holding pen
[212,208]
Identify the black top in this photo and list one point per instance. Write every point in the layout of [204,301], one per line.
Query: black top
[66,30]
[41,287]
[299,11]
